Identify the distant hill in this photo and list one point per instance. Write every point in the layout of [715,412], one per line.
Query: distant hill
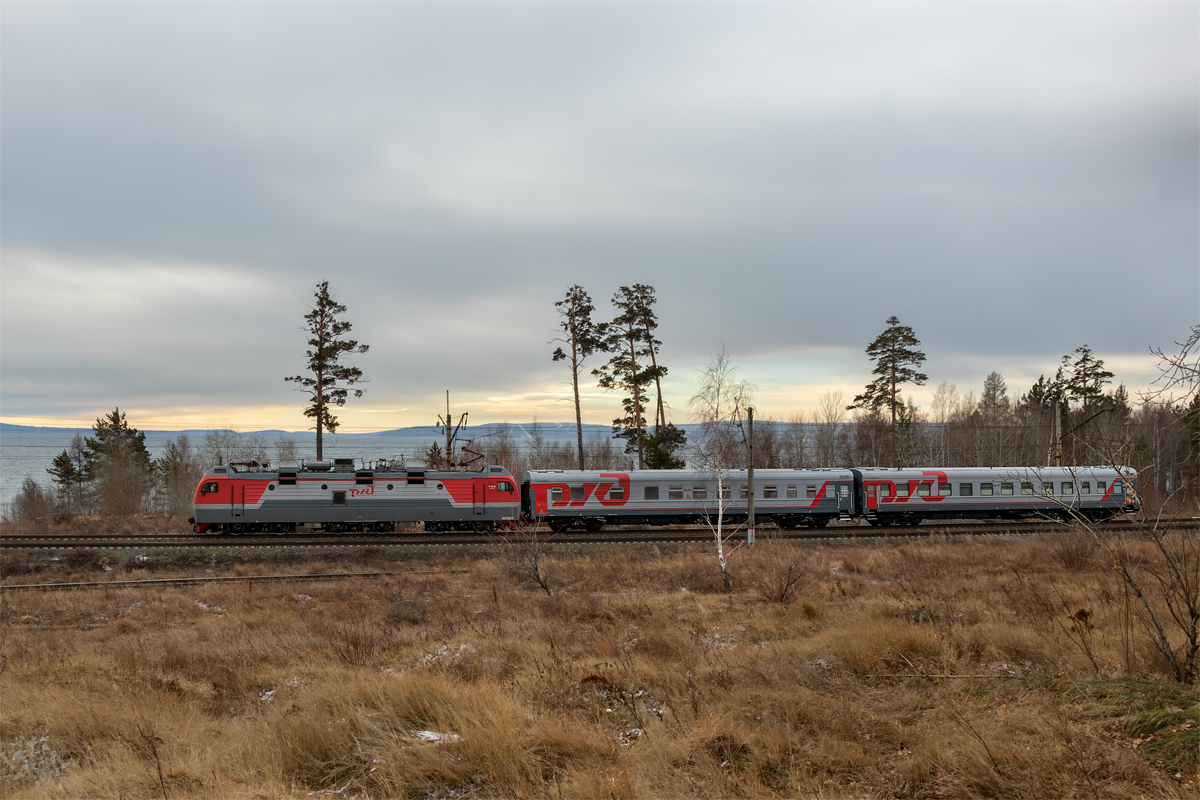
[551,431]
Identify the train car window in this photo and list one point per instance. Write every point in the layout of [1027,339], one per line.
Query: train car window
[1026,487]
[791,492]
[616,493]
[742,493]
[1068,487]
[210,488]
[556,494]
[699,492]
[885,490]
[339,498]
[1006,488]
[1047,487]
[503,486]
[650,493]
[1118,487]
[724,492]
[577,493]
[844,490]
[965,489]
[1100,487]
[770,491]
[830,491]
[923,489]
[985,489]
[675,493]
[944,489]
[902,490]
[1085,487]
[810,491]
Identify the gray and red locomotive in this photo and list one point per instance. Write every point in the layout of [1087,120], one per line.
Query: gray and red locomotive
[336,496]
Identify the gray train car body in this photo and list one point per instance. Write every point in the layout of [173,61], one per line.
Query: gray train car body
[907,496]
[337,497]
[591,499]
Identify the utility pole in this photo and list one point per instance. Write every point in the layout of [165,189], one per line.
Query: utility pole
[1057,434]
[447,424]
[750,482]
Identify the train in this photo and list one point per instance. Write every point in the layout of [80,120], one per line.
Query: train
[337,496]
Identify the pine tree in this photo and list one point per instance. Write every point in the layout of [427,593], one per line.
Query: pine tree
[324,362]
[582,338]
[118,465]
[627,371]
[895,363]
[67,473]
[1084,378]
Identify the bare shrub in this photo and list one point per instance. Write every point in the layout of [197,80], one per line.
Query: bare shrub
[526,548]
[1075,549]
[780,571]
[32,504]
[357,642]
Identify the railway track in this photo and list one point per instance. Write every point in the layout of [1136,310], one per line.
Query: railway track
[638,536]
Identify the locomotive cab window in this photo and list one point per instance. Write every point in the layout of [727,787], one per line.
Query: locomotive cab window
[616,493]
[650,493]
[210,488]
[577,493]
[503,486]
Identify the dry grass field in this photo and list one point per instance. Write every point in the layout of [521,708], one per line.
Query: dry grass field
[981,667]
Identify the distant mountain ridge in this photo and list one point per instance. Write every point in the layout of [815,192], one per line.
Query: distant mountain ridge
[554,431]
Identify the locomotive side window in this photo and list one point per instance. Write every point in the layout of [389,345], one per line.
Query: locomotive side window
[770,491]
[810,491]
[577,493]
[675,493]
[1006,488]
[1085,487]
[616,493]
[556,494]
[1026,487]
[699,492]
[944,489]
[210,488]
[503,486]
[1068,487]
[791,492]
[650,493]
[965,489]
[339,498]
[985,489]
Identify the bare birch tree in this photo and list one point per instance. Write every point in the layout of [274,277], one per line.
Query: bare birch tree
[717,408]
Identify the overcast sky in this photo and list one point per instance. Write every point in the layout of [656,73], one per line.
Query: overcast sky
[1012,180]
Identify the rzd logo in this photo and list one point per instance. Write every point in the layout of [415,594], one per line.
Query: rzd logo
[364,490]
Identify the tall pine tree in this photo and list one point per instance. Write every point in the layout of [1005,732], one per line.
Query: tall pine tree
[896,359]
[583,337]
[325,369]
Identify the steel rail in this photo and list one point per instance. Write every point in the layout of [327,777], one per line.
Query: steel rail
[320,576]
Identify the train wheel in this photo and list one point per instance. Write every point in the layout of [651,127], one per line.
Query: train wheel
[594,525]
[279,528]
[818,522]
[435,527]
[383,527]
[559,525]
[236,528]
[336,527]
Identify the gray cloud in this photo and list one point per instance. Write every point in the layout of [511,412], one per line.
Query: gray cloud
[1013,180]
